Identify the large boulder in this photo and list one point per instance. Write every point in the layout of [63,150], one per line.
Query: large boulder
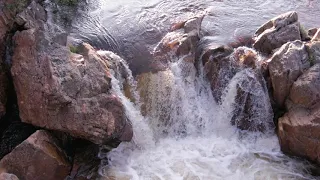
[64,91]
[285,66]
[277,31]
[299,134]
[299,128]
[38,157]
[181,42]
[305,90]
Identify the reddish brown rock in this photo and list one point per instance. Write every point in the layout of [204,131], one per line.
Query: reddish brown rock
[38,157]
[299,134]
[285,66]
[64,91]
[178,43]
[277,31]
[306,89]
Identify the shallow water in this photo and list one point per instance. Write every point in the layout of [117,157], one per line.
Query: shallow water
[200,143]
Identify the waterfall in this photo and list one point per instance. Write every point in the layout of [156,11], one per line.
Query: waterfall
[185,134]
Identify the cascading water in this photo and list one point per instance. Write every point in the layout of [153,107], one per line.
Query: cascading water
[186,135]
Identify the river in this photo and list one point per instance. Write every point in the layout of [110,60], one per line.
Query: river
[208,147]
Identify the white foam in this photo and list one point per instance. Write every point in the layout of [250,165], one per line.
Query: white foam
[200,143]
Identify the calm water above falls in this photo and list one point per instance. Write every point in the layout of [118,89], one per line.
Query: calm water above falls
[219,151]
[132,27]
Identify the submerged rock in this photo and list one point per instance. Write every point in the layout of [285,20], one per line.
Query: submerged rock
[38,157]
[238,70]
[277,31]
[285,66]
[252,108]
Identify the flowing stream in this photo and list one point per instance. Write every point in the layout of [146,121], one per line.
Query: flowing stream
[185,134]
[198,141]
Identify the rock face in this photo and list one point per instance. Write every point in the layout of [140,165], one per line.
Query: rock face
[63,91]
[299,128]
[305,91]
[285,66]
[181,42]
[38,157]
[277,32]
[299,133]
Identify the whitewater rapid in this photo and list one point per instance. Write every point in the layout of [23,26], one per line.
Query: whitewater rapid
[198,142]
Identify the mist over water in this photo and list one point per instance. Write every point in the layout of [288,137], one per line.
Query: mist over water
[185,134]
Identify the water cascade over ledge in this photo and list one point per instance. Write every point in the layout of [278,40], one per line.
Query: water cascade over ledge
[186,134]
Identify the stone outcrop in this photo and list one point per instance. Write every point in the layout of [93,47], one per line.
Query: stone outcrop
[305,90]
[285,66]
[277,31]
[299,128]
[38,157]
[298,132]
[179,43]
[60,90]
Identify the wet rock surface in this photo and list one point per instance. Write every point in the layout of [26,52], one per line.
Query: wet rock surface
[223,64]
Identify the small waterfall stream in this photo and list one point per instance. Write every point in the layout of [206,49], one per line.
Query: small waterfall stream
[186,135]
